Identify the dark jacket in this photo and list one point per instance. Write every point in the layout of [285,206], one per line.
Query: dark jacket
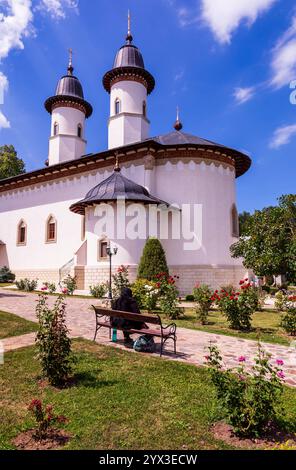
[126,303]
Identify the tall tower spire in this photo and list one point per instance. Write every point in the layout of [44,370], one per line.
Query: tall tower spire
[70,66]
[129,37]
[129,84]
[68,110]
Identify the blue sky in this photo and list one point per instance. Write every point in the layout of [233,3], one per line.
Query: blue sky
[228,64]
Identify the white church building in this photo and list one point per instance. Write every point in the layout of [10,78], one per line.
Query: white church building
[179,187]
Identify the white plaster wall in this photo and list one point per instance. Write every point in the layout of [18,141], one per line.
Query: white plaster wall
[131,95]
[209,185]
[66,145]
[130,125]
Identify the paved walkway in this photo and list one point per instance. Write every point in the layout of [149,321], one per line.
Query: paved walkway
[191,346]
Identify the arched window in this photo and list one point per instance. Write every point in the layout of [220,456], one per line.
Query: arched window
[51,230]
[79,131]
[102,249]
[22,233]
[144,108]
[55,129]
[117,106]
[234,221]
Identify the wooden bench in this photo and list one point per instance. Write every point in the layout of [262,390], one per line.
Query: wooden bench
[165,333]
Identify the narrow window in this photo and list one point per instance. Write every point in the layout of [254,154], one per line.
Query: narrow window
[51,230]
[103,245]
[117,106]
[79,131]
[22,233]
[234,222]
[144,108]
[55,129]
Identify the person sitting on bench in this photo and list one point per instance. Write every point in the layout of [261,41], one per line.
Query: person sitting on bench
[126,303]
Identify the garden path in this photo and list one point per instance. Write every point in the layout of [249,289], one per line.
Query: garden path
[191,346]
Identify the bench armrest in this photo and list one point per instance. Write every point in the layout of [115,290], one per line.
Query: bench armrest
[172,327]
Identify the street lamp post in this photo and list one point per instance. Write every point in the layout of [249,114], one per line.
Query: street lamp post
[111,253]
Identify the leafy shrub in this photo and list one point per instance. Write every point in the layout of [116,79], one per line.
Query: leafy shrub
[189,298]
[99,291]
[251,400]
[70,284]
[288,321]
[169,295]
[45,418]
[153,260]
[6,275]
[280,300]
[49,287]
[238,307]
[120,280]
[203,295]
[146,294]
[266,289]
[27,285]
[52,340]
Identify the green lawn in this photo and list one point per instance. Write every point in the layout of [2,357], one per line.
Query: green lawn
[265,326]
[121,401]
[12,325]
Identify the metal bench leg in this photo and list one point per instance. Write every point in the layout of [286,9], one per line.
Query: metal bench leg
[95,337]
[175,345]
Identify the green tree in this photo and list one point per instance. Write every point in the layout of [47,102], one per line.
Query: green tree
[268,246]
[153,260]
[10,163]
[244,218]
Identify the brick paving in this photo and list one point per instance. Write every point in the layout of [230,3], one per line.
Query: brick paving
[191,345]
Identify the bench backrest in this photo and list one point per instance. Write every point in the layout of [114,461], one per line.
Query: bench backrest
[145,318]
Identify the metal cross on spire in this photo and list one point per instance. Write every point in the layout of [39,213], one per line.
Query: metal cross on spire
[70,66]
[129,36]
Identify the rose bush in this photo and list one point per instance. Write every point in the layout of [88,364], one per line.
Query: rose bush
[238,306]
[146,294]
[169,295]
[203,296]
[45,418]
[251,400]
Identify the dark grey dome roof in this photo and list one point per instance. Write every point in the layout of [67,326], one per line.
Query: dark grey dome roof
[69,89]
[129,56]
[178,137]
[70,86]
[114,187]
[128,62]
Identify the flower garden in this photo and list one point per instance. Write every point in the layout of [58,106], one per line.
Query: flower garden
[74,394]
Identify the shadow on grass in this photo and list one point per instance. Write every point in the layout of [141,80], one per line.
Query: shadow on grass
[90,380]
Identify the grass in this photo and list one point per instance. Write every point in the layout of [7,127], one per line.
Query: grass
[120,401]
[12,325]
[265,326]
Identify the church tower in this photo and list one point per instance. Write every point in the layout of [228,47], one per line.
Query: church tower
[69,111]
[128,84]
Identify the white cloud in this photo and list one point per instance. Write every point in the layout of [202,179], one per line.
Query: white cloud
[282,136]
[4,123]
[14,25]
[56,8]
[224,17]
[283,63]
[242,95]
